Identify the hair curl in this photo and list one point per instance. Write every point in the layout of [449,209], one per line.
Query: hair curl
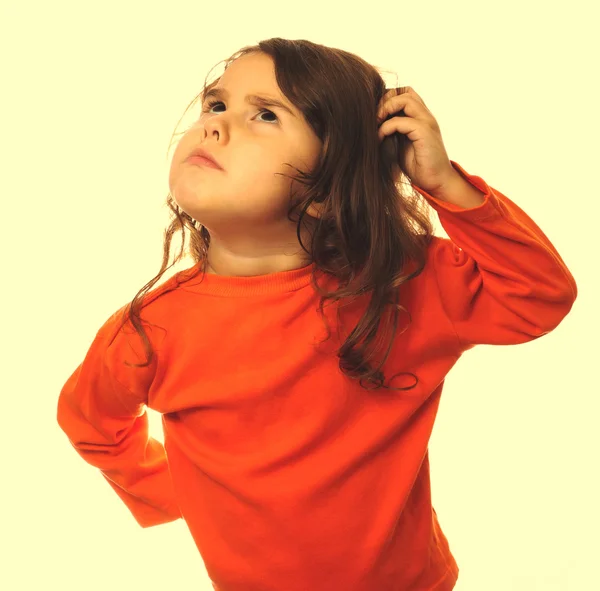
[372,224]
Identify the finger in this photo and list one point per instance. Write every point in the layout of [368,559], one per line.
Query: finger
[410,90]
[391,92]
[397,91]
[398,103]
[408,103]
[402,125]
[413,92]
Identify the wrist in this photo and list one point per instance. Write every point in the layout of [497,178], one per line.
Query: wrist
[460,192]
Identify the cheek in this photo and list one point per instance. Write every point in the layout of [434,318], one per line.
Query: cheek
[257,177]
[260,174]
[248,192]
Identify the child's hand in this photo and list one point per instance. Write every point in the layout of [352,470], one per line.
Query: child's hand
[427,162]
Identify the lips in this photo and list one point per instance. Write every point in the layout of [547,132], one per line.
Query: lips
[204,154]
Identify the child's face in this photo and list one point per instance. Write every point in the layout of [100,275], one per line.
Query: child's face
[244,206]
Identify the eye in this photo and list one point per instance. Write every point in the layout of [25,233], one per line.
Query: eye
[213,103]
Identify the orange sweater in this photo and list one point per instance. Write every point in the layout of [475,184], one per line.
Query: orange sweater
[289,476]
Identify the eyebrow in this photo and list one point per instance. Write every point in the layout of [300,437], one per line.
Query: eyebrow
[263,101]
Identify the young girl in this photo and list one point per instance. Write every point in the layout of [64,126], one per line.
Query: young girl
[294,461]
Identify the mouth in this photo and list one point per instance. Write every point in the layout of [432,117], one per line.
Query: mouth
[203,158]
[202,161]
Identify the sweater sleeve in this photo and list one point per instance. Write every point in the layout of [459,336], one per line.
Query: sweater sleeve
[500,279]
[102,410]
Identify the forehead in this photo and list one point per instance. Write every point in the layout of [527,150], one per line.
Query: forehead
[253,67]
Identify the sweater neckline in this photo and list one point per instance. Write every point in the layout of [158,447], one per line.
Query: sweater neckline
[224,285]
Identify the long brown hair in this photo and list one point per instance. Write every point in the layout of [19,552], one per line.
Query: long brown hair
[372,224]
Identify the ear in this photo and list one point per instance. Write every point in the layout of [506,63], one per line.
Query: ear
[315,210]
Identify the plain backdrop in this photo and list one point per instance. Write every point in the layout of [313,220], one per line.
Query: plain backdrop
[91,93]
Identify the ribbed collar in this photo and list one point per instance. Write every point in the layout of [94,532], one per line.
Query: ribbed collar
[221,285]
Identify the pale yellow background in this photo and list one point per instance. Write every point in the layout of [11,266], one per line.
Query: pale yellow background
[91,92]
